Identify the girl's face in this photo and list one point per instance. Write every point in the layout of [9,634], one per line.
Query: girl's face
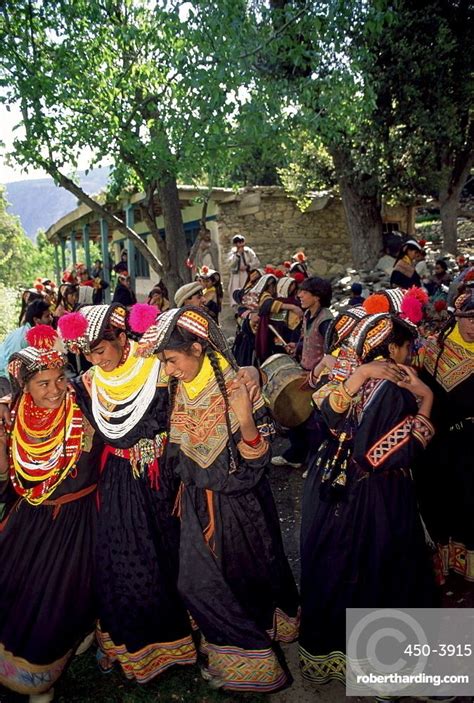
[183,365]
[48,388]
[108,355]
[466,328]
[400,355]
[206,282]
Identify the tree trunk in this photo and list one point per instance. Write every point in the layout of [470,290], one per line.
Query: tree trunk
[112,220]
[448,209]
[177,272]
[452,182]
[361,202]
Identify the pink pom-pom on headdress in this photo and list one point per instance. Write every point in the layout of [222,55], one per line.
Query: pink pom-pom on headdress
[141,317]
[412,309]
[41,337]
[418,294]
[72,325]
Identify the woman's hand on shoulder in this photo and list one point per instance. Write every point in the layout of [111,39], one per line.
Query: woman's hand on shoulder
[385,370]
[414,384]
[239,400]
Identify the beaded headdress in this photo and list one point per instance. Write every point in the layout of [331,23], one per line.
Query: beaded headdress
[408,304]
[44,352]
[262,282]
[341,327]
[374,331]
[284,285]
[464,304]
[190,318]
[78,330]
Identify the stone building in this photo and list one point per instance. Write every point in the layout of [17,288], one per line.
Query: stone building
[271,221]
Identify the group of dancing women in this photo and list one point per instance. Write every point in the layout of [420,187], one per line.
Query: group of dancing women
[139,510]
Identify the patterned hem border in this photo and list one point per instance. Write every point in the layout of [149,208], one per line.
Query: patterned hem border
[240,669]
[322,669]
[21,676]
[285,628]
[150,661]
[454,557]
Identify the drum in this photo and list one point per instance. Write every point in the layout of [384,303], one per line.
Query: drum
[290,405]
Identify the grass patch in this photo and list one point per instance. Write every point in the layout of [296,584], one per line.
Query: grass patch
[84,683]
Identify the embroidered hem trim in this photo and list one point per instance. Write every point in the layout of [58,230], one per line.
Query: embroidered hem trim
[245,669]
[454,557]
[285,628]
[21,676]
[150,661]
[322,669]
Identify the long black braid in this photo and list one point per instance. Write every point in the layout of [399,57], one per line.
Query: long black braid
[219,376]
[441,339]
[172,389]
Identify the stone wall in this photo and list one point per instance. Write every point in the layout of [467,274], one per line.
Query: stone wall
[275,228]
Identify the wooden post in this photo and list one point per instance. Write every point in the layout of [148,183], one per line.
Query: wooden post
[57,270]
[87,251]
[73,248]
[104,247]
[63,252]
[130,222]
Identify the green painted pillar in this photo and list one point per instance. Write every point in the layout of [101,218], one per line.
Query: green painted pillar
[104,247]
[57,270]
[73,248]
[130,222]
[87,251]
[63,253]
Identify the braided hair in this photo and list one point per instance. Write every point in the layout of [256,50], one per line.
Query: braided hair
[452,321]
[219,376]
[182,340]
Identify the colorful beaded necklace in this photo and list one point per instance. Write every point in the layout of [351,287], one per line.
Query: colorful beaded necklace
[46,462]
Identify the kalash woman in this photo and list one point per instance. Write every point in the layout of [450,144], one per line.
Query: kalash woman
[444,473]
[142,622]
[47,537]
[362,540]
[233,573]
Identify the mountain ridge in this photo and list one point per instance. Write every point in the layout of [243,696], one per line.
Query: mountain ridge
[39,202]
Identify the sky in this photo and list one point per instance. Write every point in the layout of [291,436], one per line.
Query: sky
[11,173]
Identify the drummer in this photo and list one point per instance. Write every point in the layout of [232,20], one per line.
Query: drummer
[269,306]
[315,296]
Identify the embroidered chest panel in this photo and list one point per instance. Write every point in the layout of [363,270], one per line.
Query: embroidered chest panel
[199,425]
[455,364]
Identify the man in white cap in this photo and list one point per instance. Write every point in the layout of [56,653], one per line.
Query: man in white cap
[242,259]
[190,294]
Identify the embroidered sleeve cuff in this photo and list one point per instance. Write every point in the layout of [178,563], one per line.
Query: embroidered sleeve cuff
[339,399]
[250,453]
[423,430]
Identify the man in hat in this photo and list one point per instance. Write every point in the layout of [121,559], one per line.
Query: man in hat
[241,260]
[190,294]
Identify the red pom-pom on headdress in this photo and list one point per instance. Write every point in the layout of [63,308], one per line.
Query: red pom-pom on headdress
[375,304]
[298,276]
[41,337]
[141,317]
[469,277]
[287,264]
[39,287]
[412,309]
[300,256]
[422,242]
[440,305]
[72,325]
